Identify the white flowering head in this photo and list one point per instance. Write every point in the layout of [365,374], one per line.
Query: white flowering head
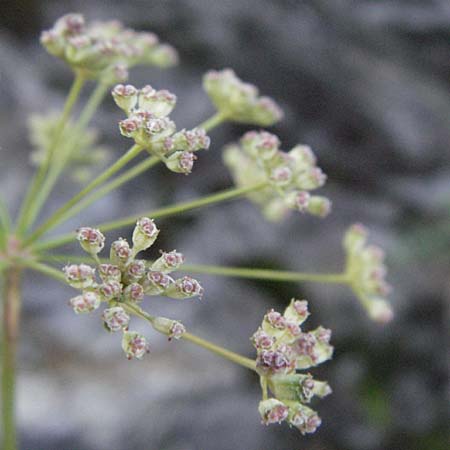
[289,177]
[104,50]
[366,271]
[238,101]
[149,125]
[124,281]
[283,349]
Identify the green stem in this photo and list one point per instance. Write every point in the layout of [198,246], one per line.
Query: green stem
[213,121]
[157,213]
[220,351]
[42,268]
[114,184]
[67,149]
[266,274]
[39,177]
[10,332]
[108,173]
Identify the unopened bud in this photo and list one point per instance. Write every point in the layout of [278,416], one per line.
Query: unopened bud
[159,103]
[115,319]
[319,206]
[185,287]
[80,276]
[380,311]
[109,272]
[156,283]
[125,96]
[133,293]
[120,253]
[168,262]
[111,290]
[91,240]
[171,328]
[130,127]
[304,418]
[272,411]
[85,303]
[181,162]
[144,234]
[134,345]
[135,271]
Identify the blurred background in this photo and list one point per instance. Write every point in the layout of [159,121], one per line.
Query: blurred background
[367,85]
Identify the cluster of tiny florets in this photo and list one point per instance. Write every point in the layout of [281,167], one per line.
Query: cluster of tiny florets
[290,176]
[151,128]
[238,101]
[283,348]
[105,50]
[125,280]
[89,154]
[366,271]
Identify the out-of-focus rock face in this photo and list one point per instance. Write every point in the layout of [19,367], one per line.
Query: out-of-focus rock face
[366,84]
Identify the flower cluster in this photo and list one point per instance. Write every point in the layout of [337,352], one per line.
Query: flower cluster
[151,128]
[238,101]
[366,271]
[104,50]
[289,176]
[88,156]
[282,349]
[124,281]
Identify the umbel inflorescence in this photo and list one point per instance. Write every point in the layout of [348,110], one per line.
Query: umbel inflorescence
[276,181]
[124,281]
[283,349]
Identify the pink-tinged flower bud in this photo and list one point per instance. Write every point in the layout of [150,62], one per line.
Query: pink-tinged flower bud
[275,361]
[133,293]
[380,311]
[274,320]
[125,96]
[185,287]
[156,283]
[312,178]
[85,303]
[281,176]
[144,234]
[118,73]
[322,334]
[260,145]
[319,206]
[305,345]
[80,276]
[262,340]
[304,419]
[121,252]
[53,43]
[115,319]
[159,128]
[297,311]
[267,112]
[111,290]
[297,200]
[109,272]
[181,162]
[130,127]
[355,238]
[171,328]
[134,345]
[168,262]
[69,24]
[163,56]
[191,140]
[91,240]
[272,411]
[159,103]
[135,271]
[303,158]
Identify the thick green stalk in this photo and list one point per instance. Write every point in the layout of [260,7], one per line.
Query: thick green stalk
[108,173]
[267,274]
[178,208]
[108,187]
[213,121]
[59,164]
[220,351]
[39,177]
[10,332]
